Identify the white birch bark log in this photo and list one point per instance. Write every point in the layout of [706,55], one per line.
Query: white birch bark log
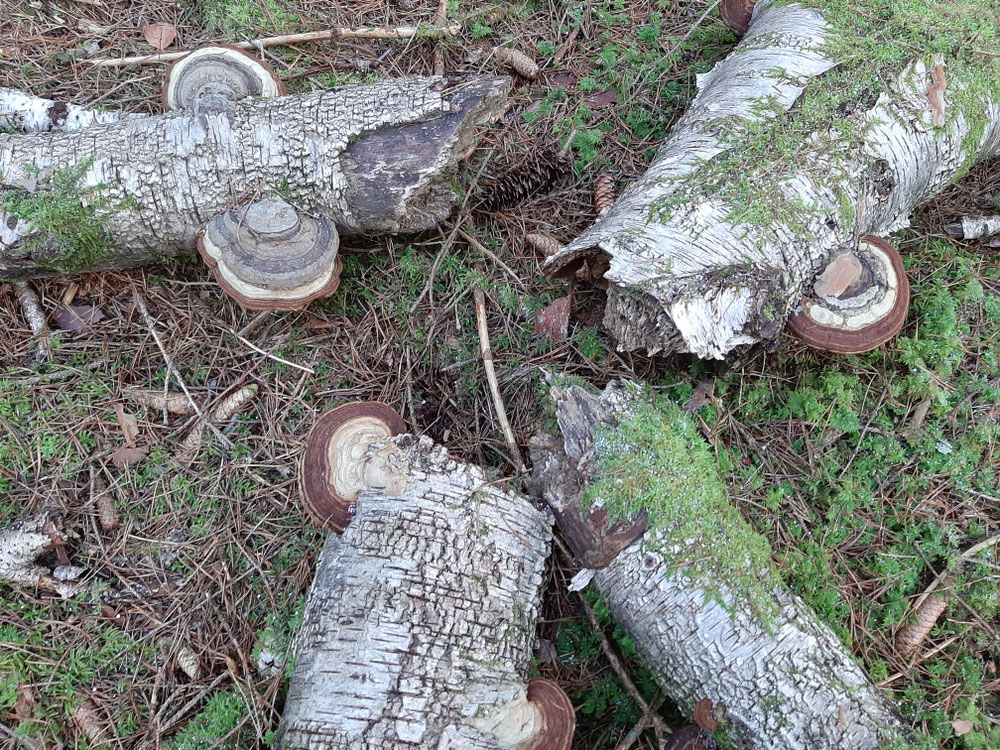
[975,227]
[421,619]
[689,280]
[784,680]
[374,158]
[21,112]
[22,543]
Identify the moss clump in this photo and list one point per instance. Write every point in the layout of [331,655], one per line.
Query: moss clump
[240,18]
[66,213]
[871,44]
[656,460]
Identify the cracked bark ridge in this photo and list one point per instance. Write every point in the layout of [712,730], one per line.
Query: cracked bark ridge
[704,645]
[334,462]
[421,619]
[373,158]
[268,256]
[689,280]
[218,74]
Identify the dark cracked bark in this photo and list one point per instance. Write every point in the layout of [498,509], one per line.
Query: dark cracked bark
[376,158]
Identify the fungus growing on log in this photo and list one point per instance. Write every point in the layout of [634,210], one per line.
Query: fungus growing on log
[217,74]
[268,256]
[736,14]
[335,464]
[858,302]
[421,619]
[543,719]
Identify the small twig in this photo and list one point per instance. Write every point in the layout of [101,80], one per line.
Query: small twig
[492,256]
[491,377]
[35,316]
[365,32]
[186,708]
[974,550]
[439,20]
[9,733]
[140,303]
[648,717]
[275,357]
[923,657]
[659,725]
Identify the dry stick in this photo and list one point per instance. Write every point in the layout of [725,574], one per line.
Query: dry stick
[923,657]
[140,303]
[35,316]
[15,737]
[472,240]
[647,719]
[366,32]
[659,725]
[491,377]
[439,18]
[974,550]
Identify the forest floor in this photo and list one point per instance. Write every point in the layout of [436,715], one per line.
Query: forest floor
[869,474]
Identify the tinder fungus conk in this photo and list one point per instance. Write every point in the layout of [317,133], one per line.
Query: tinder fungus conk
[217,73]
[858,302]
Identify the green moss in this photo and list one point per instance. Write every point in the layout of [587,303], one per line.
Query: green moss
[66,212]
[657,461]
[871,44]
[242,18]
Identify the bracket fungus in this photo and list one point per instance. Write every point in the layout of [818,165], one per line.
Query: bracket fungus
[736,14]
[542,719]
[218,73]
[858,302]
[268,256]
[336,464]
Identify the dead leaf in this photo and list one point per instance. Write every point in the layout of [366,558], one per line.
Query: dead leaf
[126,456]
[24,706]
[553,321]
[78,318]
[160,35]
[962,726]
[703,394]
[128,424]
[602,98]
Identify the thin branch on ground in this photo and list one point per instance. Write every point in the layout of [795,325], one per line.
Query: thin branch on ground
[35,316]
[366,32]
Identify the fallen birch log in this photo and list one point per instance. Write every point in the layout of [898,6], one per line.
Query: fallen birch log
[370,158]
[421,619]
[711,248]
[637,498]
[21,112]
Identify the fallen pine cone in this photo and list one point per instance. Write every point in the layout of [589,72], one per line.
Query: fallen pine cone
[88,720]
[546,244]
[909,637]
[604,194]
[173,402]
[226,410]
[517,61]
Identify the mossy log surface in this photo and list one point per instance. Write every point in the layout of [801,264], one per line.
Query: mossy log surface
[710,250]
[420,623]
[698,592]
[375,158]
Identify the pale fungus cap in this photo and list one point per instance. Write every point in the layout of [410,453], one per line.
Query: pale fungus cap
[541,718]
[336,464]
[858,302]
[217,72]
[268,256]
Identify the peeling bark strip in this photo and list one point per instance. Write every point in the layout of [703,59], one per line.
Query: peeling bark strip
[421,619]
[691,279]
[784,678]
[374,158]
[32,114]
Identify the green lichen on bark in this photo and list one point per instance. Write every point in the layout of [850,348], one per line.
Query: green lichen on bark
[655,459]
[65,214]
[871,44]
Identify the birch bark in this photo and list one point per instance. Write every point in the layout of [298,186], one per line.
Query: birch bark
[783,679]
[695,279]
[421,618]
[374,158]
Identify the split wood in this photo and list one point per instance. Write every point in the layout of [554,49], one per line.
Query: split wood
[365,32]
[491,377]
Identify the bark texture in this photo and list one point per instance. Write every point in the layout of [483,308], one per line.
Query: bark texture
[421,618]
[374,158]
[24,113]
[689,279]
[785,680]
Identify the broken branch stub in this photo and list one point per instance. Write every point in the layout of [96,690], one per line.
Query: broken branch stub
[336,466]
[857,303]
[268,256]
[217,74]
